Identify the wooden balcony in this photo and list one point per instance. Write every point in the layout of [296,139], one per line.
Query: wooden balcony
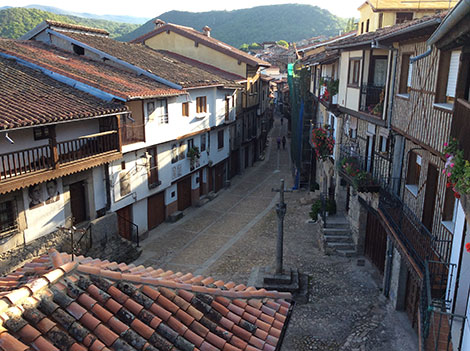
[34,165]
[460,128]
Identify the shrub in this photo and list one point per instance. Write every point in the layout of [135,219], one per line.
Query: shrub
[315,210]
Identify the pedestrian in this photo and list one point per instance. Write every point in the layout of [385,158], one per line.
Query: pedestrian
[278,143]
[284,142]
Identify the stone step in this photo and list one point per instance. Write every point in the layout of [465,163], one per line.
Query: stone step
[346,253]
[338,239]
[341,225]
[340,245]
[336,231]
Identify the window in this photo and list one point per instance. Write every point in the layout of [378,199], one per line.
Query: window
[150,108]
[447,76]
[384,144]
[153,167]
[157,109]
[41,132]
[414,169]
[404,17]
[381,20]
[79,50]
[405,74]
[174,153]
[450,203]
[367,26]
[124,181]
[7,216]
[354,70]
[185,109]
[201,105]
[362,27]
[203,142]
[220,139]
[181,151]
[190,143]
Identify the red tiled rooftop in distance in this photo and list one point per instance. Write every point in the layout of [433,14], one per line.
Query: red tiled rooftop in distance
[80,308]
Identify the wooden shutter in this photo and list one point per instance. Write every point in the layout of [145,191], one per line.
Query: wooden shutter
[453,73]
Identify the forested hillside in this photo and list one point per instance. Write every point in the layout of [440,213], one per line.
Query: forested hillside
[291,22]
[16,21]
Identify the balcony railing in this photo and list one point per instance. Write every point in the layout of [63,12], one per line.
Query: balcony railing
[372,98]
[416,238]
[364,173]
[40,158]
[132,133]
[460,125]
[440,329]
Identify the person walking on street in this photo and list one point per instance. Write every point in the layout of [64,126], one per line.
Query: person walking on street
[284,142]
[278,143]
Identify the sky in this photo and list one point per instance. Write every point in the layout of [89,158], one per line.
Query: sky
[152,8]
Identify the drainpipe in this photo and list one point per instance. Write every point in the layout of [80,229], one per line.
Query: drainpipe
[452,18]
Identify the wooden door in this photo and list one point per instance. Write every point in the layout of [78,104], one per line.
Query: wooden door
[412,300]
[78,202]
[201,183]
[124,222]
[184,193]
[375,245]
[210,182]
[430,197]
[219,176]
[234,163]
[156,210]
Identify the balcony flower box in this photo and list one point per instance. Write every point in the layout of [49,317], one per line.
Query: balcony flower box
[322,142]
[361,180]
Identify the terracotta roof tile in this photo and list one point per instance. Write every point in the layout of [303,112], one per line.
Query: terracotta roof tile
[80,311]
[39,100]
[123,84]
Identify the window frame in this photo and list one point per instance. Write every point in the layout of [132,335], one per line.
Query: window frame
[220,139]
[403,84]
[42,132]
[11,222]
[152,174]
[354,72]
[413,172]
[403,14]
[201,104]
[185,109]
[203,142]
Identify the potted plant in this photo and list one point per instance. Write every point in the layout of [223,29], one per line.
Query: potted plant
[193,155]
[315,210]
[322,142]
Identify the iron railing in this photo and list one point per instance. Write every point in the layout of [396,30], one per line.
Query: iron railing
[133,229]
[372,97]
[440,329]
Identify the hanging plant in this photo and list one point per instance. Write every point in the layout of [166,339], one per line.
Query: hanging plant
[457,169]
[323,142]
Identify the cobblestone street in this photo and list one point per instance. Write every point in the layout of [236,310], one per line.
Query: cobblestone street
[236,231]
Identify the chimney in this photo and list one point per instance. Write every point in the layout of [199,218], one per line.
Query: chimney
[207,31]
[159,23]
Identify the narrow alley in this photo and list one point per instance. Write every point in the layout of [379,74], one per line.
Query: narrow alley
[236,231]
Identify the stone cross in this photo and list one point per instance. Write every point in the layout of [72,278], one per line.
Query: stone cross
[281,208]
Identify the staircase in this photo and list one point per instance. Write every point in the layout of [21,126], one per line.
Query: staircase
[337,238]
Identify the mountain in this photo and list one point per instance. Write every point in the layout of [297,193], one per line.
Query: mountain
[290,22]
[114,18]
[16,21]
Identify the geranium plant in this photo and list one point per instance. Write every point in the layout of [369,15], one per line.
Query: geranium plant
[323,142]
[457,169]
[359,178]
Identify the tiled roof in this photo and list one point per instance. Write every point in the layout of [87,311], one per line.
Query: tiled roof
[390,5]
[120,83]
[367,38]
[322,57]
[169,68]
[76,27]
[213,43]
[53,303]
[29,97]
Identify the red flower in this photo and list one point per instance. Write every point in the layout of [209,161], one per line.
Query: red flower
[457,195]
[449,184]
[467,247]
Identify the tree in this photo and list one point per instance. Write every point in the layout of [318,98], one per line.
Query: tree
[350,25]
[283,43]
[244,47]
[254,46]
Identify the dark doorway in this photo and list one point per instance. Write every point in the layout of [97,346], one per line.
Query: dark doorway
[78,202]
[201,183]
[125,222]
[184,193]
[156,210]
[430,197]
[219,176]
[375,245]
[234,163]
[247,156]
[412,300]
